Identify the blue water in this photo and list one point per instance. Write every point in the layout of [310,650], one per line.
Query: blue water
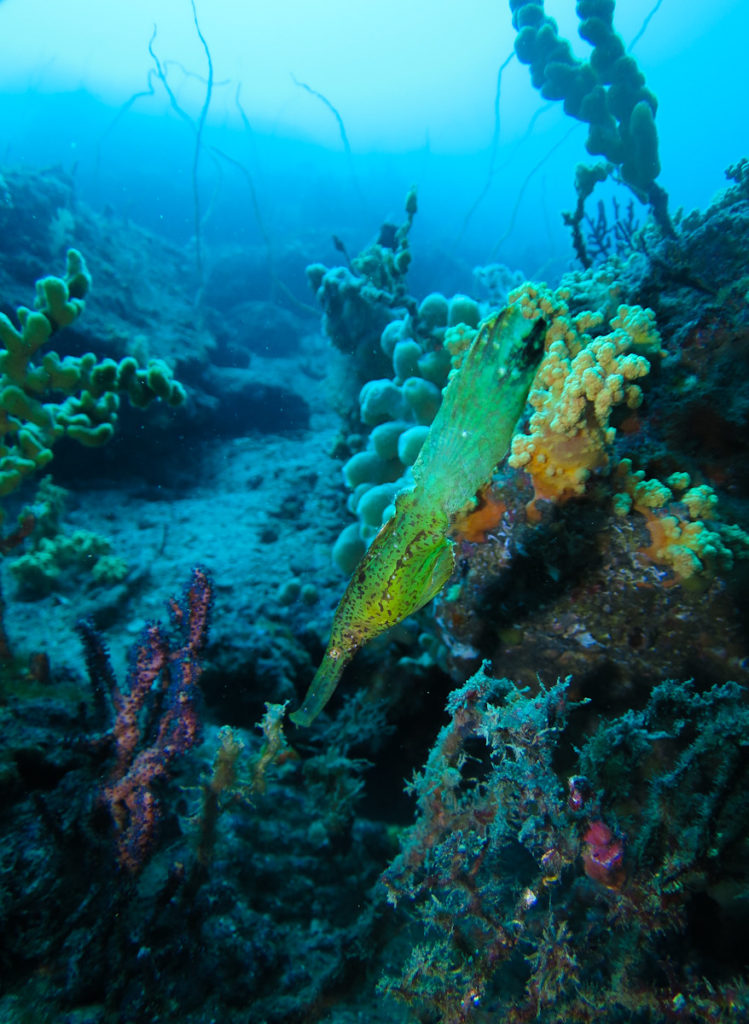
[527,801]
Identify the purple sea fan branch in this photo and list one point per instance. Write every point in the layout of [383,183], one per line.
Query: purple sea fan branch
[155,717]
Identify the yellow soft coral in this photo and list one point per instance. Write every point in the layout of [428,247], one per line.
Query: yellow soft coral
[680,539]
[458,339]
[580,381]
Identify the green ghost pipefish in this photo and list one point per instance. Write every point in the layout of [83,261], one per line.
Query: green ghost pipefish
[411,558]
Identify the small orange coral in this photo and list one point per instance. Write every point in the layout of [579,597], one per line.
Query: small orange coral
[476,524]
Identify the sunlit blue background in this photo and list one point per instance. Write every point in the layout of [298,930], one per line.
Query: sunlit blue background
[414,82]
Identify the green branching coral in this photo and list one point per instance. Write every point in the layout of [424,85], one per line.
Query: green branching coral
[44,397]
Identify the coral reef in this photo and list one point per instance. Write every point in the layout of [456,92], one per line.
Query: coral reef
[359,300]
[578,846]
[245,828]
[539,892]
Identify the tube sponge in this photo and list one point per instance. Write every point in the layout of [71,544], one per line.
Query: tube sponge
[393,332]
[423,398]
[375,502]
[380,401]
[463,310]
[368,468]
[385,439]
[406,355]
[435,366]
[410,442]
[607,92]
[433,312]
[348,549]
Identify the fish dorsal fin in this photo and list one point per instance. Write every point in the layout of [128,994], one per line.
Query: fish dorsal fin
[480,406]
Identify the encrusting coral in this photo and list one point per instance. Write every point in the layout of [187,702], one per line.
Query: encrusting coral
[56,559]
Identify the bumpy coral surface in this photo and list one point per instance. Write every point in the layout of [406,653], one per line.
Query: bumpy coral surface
[582,379]
[537,892]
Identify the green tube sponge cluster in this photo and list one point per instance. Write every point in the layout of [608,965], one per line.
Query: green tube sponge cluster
[433,312]
[374,503]
[409,444]
[368,468]
[607,91]
[44,397]
[423,398]
[435,366]
[385,438]
[349,549]
[463,310]
[406,356]
[380,401]
[393,332]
